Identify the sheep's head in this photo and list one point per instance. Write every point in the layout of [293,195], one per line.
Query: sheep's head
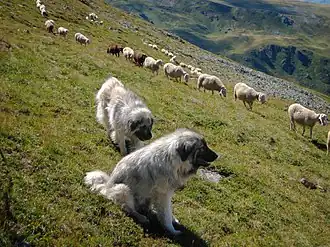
[323,119]
[159,62]
[186,77]
[223,91]
[262,98]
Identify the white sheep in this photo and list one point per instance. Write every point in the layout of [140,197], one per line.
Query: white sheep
[189,66]
[50,25]
[166,52]
[38,5]
[128,53]
[212,83]
[305,117]
[155,47]
[42,6]
[195,73]
[82,39]
[173,60]
[328,142]
[198,70]
[175,72]
[150,45]
[163,50]
[183,65]
[248,94]
[152,64]
[170,54]
[62,31]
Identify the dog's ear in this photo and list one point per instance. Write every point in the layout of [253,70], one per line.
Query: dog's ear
[132,125]
[184,150]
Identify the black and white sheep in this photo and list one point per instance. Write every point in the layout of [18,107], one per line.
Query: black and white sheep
[305,117]
[50,24]
[62,31]
[212,83]
[82,39]
[248,94]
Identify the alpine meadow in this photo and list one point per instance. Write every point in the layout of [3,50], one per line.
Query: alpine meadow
[50,138]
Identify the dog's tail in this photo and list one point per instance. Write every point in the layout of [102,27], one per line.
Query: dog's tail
[97,181]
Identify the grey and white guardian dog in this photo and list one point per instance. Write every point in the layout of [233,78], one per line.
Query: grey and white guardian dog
[124,115]
[148,177]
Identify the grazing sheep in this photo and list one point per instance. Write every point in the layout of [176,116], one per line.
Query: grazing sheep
[44,13]
[175,72]
[50,26]
[173,60]
[305,117]
[183,65]
[42,6]
[128,53]
[328,142]
[212,83]
[152,64]
[166,52]
[139,58]
[170,54]
[195,73]
[115,50]
[82,39]
[248,94]
[155,47]
[163,50]
[198,70]
[62,31]
[150,45]
[189,66]
[93,16]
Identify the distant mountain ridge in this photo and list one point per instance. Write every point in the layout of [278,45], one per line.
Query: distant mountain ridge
[318,1]
[244,30]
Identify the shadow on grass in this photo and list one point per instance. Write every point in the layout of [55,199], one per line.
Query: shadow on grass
[186,238]
[258,113]
[319,145]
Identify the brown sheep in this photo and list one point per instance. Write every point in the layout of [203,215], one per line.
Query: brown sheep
[139,58]
[115,50]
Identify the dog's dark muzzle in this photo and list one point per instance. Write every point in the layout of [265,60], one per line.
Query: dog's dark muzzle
[144,134]
[206,157]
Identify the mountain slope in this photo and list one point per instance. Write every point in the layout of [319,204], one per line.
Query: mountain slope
[49,138]
[240,29]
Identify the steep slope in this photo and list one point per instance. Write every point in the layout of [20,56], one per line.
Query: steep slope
[49,138]
[243,29]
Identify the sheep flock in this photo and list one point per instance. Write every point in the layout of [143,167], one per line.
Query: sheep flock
[178,70]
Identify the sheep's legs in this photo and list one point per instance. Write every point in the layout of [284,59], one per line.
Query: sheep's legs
[311,132]
[292,125]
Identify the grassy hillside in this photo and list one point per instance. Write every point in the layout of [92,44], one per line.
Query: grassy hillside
[239,29]
[50,138]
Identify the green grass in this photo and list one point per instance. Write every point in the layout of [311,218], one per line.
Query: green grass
[50,138]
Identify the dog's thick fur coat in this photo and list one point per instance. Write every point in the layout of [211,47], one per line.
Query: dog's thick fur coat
[148,177]
[124,115]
